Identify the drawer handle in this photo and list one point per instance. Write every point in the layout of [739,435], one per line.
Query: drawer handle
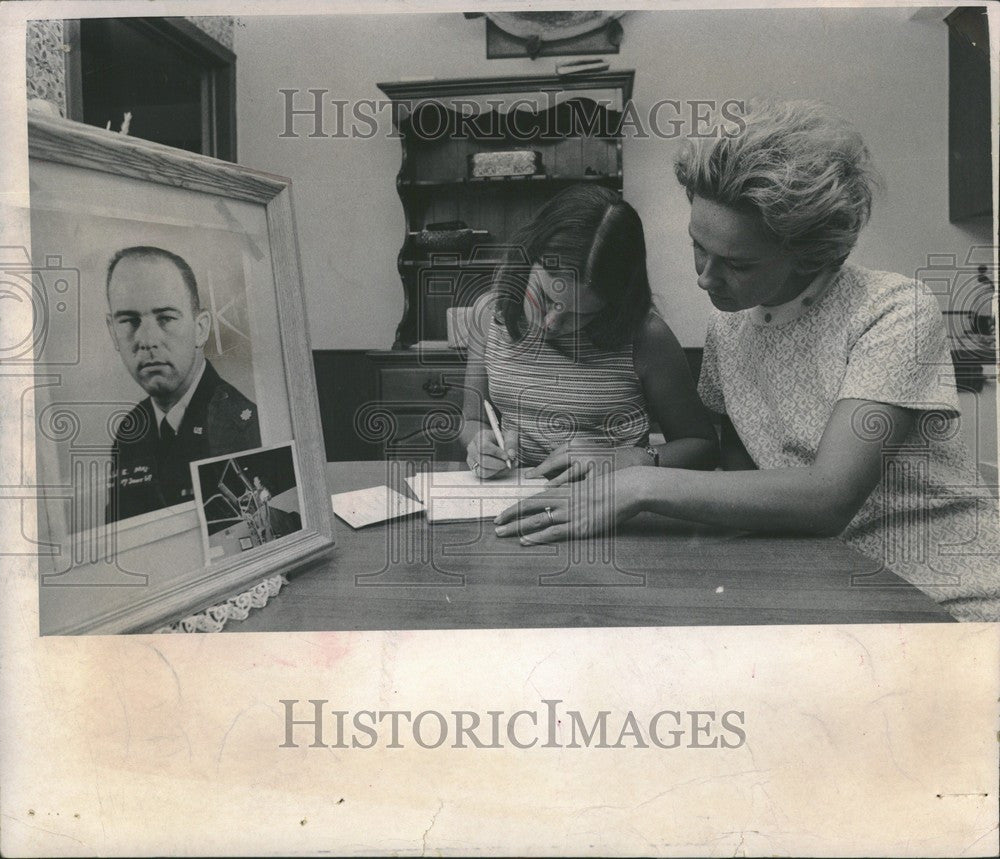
[436,388]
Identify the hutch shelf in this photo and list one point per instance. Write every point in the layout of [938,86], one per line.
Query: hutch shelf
[572,122]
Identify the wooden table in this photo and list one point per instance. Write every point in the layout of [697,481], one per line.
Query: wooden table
[407,574]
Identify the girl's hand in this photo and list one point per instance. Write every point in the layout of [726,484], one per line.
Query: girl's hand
[590,508]
[560,467]
[566,466]
[485,457]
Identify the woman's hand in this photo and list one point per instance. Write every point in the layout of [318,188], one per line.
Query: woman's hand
[486,459]
[588,508]
[565,465]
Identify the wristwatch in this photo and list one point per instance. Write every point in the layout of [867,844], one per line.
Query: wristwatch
[654,454]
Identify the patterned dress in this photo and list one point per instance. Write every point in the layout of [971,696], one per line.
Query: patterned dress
[556,390]
[867,335]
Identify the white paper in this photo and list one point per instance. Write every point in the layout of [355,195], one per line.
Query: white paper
[370,506]
[455,495]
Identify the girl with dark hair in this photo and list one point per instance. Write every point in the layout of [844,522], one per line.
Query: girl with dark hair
[569,350]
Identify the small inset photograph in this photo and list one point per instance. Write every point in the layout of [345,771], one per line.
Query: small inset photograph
[246,500]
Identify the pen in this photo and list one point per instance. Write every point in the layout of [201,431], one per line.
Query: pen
[495,424]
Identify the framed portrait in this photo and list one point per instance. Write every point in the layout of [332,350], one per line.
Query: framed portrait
[178,440]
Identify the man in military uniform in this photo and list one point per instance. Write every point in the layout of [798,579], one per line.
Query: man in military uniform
[159,328]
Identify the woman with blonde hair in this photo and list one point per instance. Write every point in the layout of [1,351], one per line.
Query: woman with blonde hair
[834,383]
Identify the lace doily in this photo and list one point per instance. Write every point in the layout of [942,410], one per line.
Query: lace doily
[235,608]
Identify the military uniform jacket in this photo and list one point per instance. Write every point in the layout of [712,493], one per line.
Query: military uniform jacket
[148,475]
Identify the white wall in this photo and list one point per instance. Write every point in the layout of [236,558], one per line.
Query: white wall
[886,72]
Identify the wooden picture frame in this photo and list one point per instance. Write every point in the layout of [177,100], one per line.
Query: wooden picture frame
[95,191]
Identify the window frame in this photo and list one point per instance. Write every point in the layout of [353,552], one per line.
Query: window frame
[218,79]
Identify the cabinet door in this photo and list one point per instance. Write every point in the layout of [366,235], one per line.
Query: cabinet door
[970,182]
[419,410]
[346,385]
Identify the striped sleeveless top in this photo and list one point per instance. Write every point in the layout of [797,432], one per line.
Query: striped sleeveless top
[556,390]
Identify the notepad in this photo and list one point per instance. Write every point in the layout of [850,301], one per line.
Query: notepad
[451,496]
[370,506]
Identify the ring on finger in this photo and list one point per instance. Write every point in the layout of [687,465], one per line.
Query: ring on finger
[548,512]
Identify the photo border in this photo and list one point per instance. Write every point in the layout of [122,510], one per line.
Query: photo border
[199,499]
